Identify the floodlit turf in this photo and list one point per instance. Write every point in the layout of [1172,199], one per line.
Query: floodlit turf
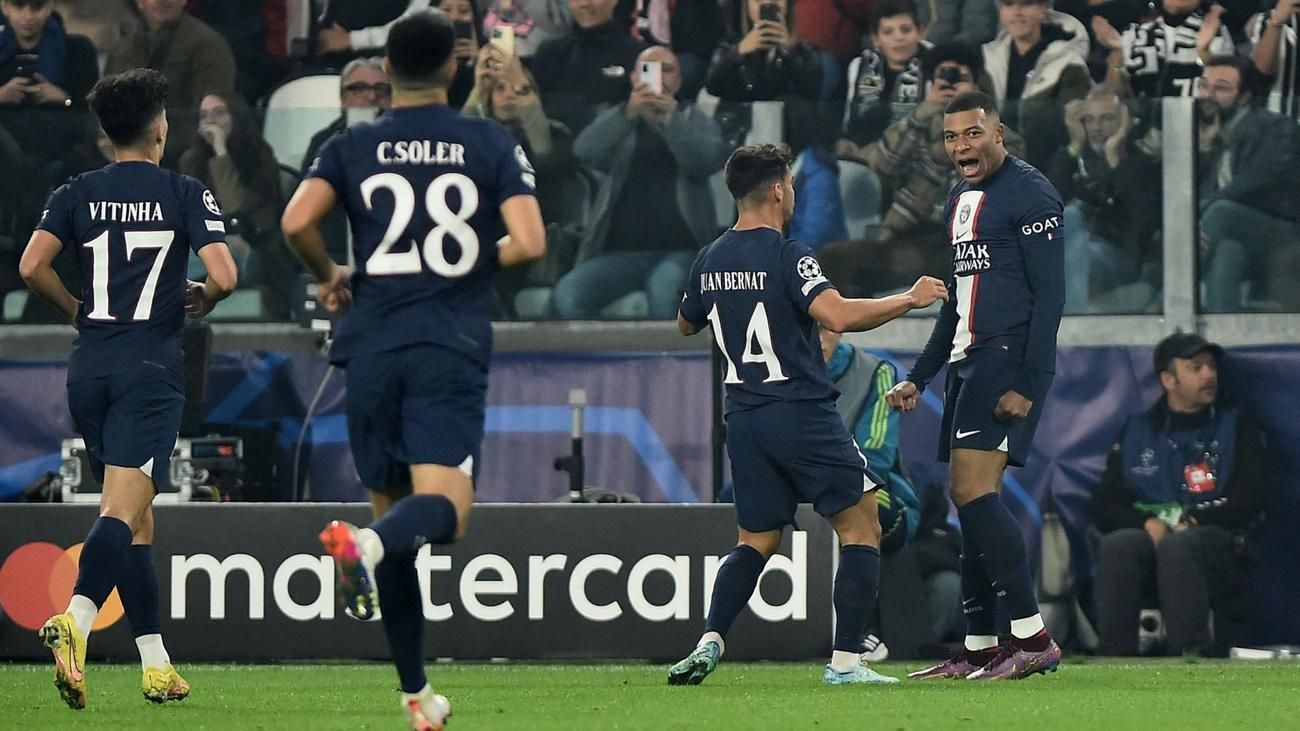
[1101,695]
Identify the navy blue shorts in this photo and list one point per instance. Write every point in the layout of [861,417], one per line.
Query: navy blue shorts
[787,453]
[971,394]
[422,404]
[128,420]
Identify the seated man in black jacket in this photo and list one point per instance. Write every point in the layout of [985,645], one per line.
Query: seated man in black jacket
[1184,483]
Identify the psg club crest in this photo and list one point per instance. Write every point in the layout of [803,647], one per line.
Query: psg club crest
[808,268]
[963,215]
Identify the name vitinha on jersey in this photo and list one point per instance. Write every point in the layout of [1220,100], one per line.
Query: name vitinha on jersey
[126,212]
[718,281]
[420,152]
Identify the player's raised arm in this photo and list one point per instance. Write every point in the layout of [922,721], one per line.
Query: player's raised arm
[525,238]
[839,314]
[37,269]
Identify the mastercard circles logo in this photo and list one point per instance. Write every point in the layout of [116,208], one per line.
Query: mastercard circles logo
[36,583]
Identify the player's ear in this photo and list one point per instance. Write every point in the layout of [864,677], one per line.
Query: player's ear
[1002,132]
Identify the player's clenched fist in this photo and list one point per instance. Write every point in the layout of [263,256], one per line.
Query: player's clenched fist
[903,396]
[927,291]
[335,293]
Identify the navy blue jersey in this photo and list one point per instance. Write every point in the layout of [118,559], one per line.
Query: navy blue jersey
[422,187]
[754,287]
[132,226]
[1008,282]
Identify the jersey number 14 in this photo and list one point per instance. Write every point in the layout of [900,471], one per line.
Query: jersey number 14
[758,346]
[385,261]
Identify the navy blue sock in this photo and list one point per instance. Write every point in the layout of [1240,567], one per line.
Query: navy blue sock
[103,558]
[978,602]
[737,577]
[138,589]
[403,617]
[1002,548]
[856,582]
[416,520]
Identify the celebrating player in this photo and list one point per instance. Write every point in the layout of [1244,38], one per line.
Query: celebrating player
[131,225]
[764,296]
[998,332]
[426,191]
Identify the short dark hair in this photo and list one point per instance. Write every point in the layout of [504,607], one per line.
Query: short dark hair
[969,100]
[890,8]
[753,166]
[1245,70]
[418,46]
[128,103]
[958,52]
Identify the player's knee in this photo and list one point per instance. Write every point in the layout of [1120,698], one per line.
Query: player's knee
[963,491]
[765,543]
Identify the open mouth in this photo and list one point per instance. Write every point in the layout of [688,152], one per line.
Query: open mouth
[968,166]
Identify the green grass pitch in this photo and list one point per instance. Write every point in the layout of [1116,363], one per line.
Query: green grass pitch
[1088,694]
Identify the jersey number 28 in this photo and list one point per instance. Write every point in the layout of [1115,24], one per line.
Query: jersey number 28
[385,261]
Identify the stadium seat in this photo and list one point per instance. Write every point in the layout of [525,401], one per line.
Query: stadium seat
[242,305]
[14,303]
[860,191]
[295,111]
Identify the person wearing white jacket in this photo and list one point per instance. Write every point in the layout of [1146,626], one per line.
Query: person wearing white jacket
[1037,64]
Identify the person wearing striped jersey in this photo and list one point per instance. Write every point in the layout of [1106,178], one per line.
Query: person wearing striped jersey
[997,331]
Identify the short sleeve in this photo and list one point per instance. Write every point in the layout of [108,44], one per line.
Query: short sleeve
[203,221]
[692,307]
[328,165]
[802,274]
[514,171]
[57,216]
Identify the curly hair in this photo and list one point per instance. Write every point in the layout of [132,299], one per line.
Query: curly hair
[128,103]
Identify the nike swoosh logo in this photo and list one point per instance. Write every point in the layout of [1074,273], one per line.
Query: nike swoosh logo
[963,434]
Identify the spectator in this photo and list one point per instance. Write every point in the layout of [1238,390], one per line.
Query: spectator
[533,21]
[863,379]
[1247,179]
[1273,43]
[363,87]
[656,153]
[41,64]
[1112,212]
[1183,485]
[351,28]
[245,25]
[885,81]
[232,159]
[835,28]
[195,59]
[911,162]
[1163,57]
[768,62]
[44,73]
[104,22]
[469,38]
[972,21]
[1037,64]
[693,29]
[505,91]
[587,69]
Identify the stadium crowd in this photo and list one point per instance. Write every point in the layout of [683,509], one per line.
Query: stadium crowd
[631,106]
